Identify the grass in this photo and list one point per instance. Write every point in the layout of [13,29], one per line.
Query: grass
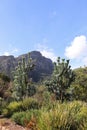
[65,116]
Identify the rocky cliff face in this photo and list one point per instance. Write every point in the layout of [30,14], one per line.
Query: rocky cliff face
[43,66]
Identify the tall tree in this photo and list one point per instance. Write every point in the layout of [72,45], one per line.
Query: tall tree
[21,81]
[61,79]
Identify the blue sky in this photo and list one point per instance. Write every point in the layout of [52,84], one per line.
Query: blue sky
[53,27]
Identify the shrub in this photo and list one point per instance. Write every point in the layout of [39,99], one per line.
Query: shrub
[31,89]
[11,108]
[19,117]
[66,116]
[24,118]
[30,103]
[26,104]
[3,105]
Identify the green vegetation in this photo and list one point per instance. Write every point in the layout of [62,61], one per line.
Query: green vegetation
[26,104]
[60,104]
[66,116]
[62,77]
[79,86]
[4,87]
[21,81]
[4,77]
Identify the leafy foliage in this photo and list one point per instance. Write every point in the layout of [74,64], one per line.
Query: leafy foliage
[17,106]
[62,77]
[42,111]
[31,89]
[79,86]
[29,103]
[4,86]
[12,108]
[65,116]
[23,118]
[21,82]
[4,77]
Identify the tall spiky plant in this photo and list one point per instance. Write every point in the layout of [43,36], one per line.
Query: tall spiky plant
[61,79]
[20,90]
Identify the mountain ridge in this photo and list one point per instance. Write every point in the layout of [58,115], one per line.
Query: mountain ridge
[43,65]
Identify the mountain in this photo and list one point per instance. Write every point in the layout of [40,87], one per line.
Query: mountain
[43,65]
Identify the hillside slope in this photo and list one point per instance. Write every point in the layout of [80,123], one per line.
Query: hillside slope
[43,65]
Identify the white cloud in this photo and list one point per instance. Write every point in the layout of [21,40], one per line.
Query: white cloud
[47,52]
[6,53]
[77,49]
[10,52]
[14,50]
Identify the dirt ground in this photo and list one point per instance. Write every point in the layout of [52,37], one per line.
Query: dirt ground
[7,124]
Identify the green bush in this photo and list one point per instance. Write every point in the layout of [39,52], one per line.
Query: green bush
[31,89]
[26,104]
[11,108]
[3,105]
[66,116]
[30,103]
[19,117]
[23,118]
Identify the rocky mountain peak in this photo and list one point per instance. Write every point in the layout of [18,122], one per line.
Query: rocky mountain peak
[43,65]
